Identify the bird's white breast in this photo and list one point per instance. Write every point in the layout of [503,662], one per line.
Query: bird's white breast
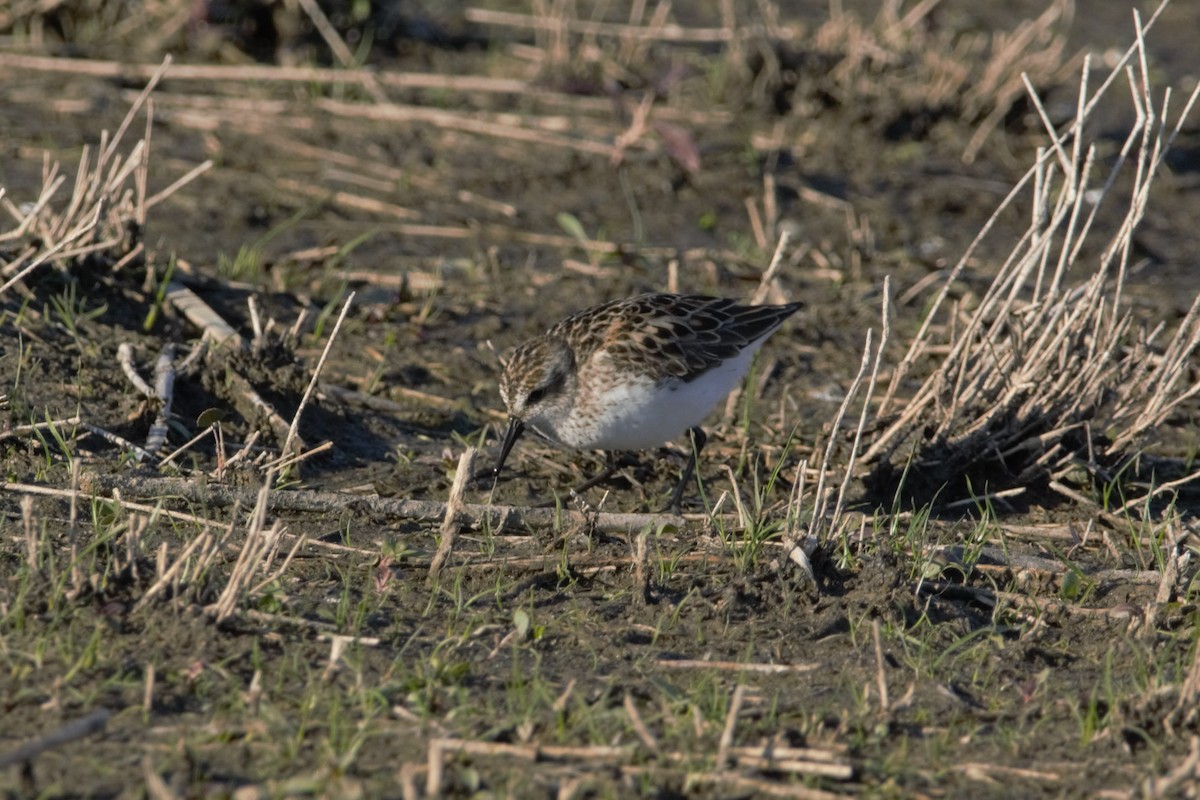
[635,413]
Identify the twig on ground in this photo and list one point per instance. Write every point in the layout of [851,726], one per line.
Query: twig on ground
[498,518]
[454,504]
[880,674]
[22,430]
[759,786]
[125,359]
[820,524]
[988,772]
[164,393]
[735,666]
[118,441]
[87,485]
[92,723]
[213,327]
[727,731]
[665,32]
[641,575]
[32,544]
[639,725]
[767,281]
[291,439]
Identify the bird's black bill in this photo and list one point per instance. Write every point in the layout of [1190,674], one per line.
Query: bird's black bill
[515,429]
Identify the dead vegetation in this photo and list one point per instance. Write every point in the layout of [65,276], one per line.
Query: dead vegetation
[1050,374]
[917,70]
[1046,384]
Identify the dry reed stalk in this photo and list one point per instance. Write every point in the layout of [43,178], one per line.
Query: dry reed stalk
[639,725]
[927,66]
[348,200]
[107,207]
[1041,362]
[209,112]
[1036,173]
[795,761]
[73,529]
[794,549]
[823,522]
[170,576]
[503,127]
[63,735]
[292,438]
[641,575]
[656,31]
[767,284]
[454,505]
[739,784]
[727,731]
[735,666]
[988,772]
[260,73]
[259,546]
[215,329]
[880,674]
[87,484]
[32,542]
[475,516]
[1180,781]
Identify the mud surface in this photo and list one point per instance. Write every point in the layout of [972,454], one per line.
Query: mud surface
[1019,677]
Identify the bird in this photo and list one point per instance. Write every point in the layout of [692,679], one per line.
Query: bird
[633,374]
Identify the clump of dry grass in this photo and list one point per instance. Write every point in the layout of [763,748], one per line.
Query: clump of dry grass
[905,65]
[1050,373]
[144,30]
[101,222]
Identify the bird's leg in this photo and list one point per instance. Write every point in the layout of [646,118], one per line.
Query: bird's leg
[610,467]
[696,437]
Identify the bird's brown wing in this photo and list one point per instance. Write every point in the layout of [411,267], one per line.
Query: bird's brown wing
[680,336]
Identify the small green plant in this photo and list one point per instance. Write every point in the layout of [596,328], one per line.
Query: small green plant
[61,445]
[72,311]
[435,680]
[764,526]
[667,564]
[572,226]
[331,281]
[388,347]
[328,311]
[247,263]
[160,294]
[22,357]
[1092,717]
[1076,586]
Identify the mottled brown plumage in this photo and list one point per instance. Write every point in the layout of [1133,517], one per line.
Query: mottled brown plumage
[635,373]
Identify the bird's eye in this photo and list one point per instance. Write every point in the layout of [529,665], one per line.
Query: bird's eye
[552,385]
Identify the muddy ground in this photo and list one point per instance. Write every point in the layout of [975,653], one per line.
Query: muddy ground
[465,219]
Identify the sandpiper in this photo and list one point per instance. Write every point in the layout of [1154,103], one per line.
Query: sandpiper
[633,374]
